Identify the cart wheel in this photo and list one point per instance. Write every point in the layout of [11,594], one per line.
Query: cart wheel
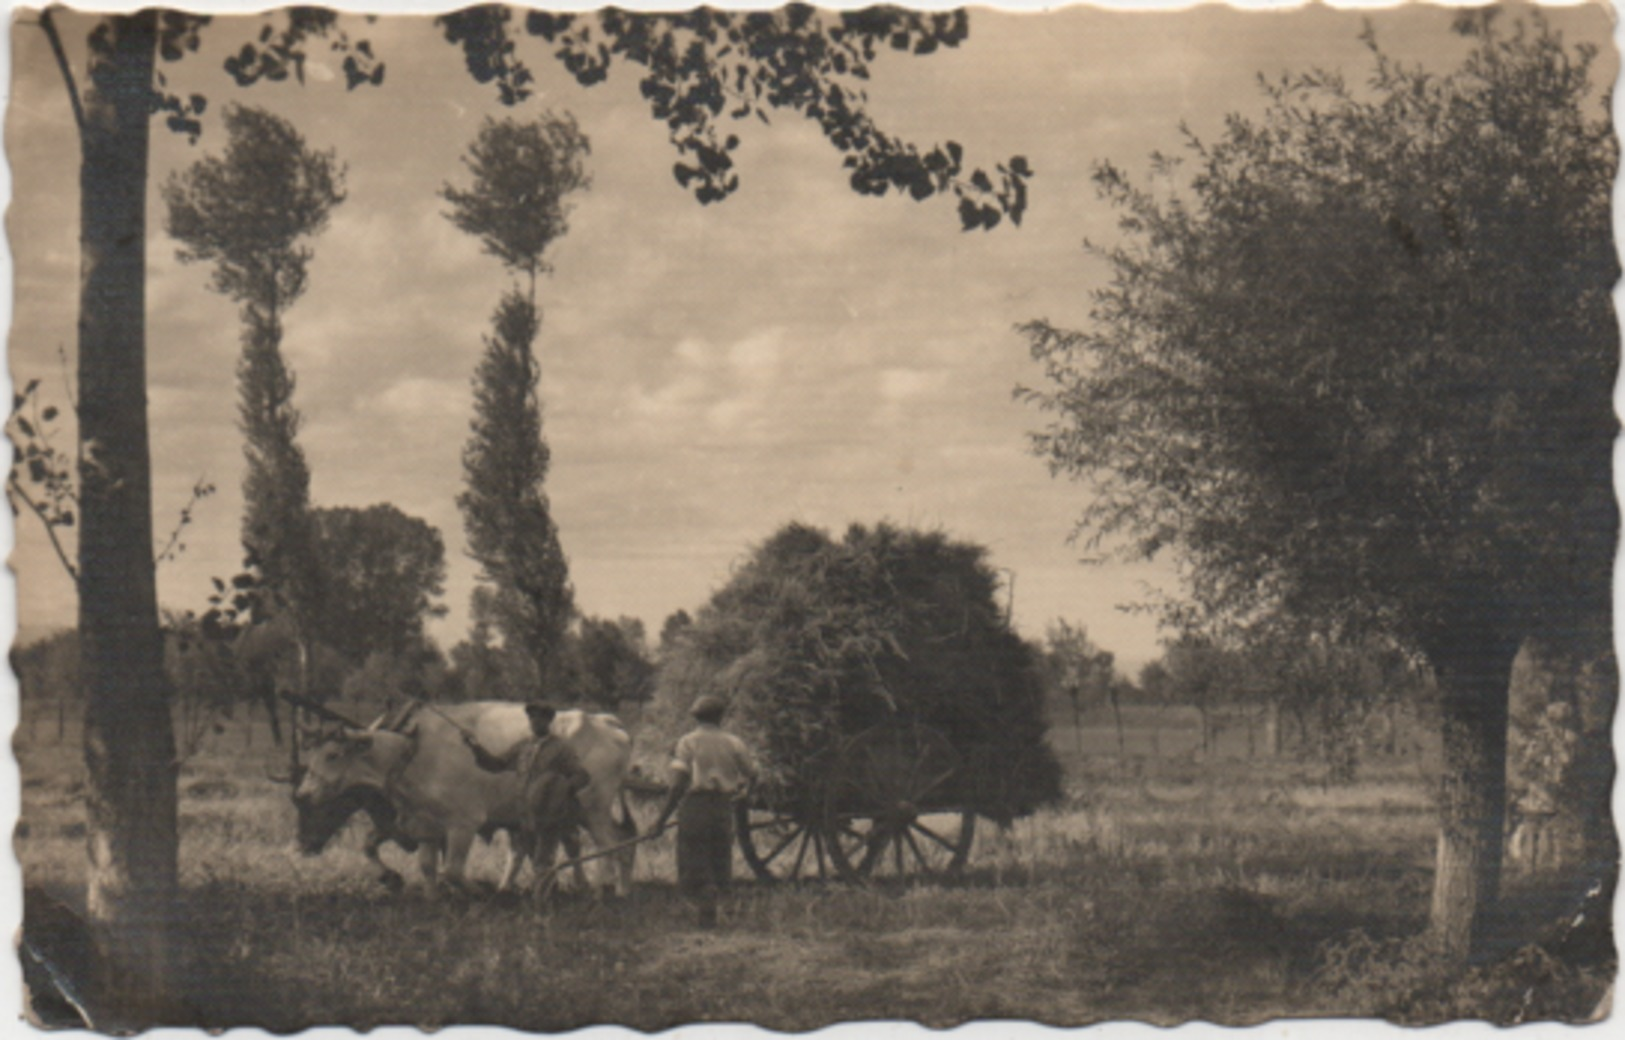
[927,845]
[885,812]
[782,846]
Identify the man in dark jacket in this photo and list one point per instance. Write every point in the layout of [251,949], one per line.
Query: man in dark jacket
[552,778]
[710,771]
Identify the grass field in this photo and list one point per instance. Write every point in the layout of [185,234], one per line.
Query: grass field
[1223,888]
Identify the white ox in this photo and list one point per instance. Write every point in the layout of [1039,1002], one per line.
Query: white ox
[443,799]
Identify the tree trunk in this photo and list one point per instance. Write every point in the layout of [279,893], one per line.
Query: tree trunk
[129,742]
[1302,719]
[1473,676]
[1077,721]
[1117,716]
[1272,729]
[306,680]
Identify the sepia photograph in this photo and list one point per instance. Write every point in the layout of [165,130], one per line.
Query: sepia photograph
[795,516]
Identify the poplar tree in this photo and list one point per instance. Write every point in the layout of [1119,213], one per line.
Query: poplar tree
[248,212]
[516,206]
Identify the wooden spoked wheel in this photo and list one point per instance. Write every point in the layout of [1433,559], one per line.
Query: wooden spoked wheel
[783,845]
[885,814]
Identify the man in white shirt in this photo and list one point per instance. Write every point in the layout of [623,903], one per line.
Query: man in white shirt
[710,771]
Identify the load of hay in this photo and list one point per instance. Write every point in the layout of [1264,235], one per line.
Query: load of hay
[815,640]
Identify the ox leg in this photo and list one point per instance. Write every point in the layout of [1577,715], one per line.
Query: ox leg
[429,862]
[458,842]
[391,879]
[626,859]
[571,839]
[605,833]
[520,850]
[543,853]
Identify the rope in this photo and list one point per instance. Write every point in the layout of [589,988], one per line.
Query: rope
[458,726]
[547,878]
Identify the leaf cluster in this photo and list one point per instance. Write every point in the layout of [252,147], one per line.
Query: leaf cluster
[43,477]
[1355,367]
[705,68]
[276,53]
[247,209]
[523,172]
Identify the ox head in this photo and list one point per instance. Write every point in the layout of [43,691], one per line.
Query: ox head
[326,745]
[337,763]
[320,822]
[341,777]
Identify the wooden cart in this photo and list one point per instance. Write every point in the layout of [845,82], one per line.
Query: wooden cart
[884,803]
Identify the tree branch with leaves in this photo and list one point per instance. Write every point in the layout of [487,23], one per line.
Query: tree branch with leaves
[705,68]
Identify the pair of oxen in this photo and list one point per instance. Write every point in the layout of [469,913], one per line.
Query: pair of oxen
[413,773]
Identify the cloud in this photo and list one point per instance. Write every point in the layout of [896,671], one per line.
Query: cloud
[416,399]
[709,389]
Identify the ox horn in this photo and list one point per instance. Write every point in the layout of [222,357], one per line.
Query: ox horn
[319,709]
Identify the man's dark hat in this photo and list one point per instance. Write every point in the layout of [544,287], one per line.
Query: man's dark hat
[536,708]
[709,706]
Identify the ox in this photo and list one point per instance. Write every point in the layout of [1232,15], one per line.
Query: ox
[438,796]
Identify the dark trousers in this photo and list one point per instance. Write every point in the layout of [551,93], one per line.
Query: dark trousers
[552,817]
[705,833]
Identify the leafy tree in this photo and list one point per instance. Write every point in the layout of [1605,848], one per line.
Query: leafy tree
[205,676]
[1334,689]
[523,173]
[673,628]
[129,741]
[612,661]
[382,572]
[249,212]
[1357,370]
[1203,675]
[1082,673]
[387,677]
[482,668]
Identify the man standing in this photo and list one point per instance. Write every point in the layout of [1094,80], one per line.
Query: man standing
[552,778]
[710,770]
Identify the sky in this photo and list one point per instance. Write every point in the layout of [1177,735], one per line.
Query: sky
[797,352]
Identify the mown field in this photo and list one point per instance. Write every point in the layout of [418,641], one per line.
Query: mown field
[1165,888]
